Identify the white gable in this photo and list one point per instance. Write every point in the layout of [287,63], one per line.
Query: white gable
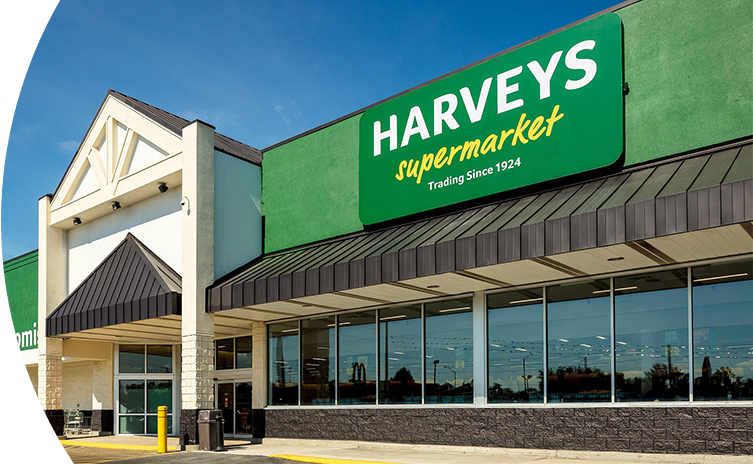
[123,158]
[88,184]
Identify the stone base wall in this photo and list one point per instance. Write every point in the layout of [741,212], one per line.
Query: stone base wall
[102,420]
[701,430]
[189,427]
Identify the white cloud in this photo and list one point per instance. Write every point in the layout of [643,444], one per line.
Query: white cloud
[24,137]
[287,111]
[68,147]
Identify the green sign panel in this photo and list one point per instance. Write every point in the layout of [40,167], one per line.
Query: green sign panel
[544,111]
[21,276]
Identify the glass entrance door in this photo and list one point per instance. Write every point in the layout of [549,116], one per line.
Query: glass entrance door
[226,403]
[234,400]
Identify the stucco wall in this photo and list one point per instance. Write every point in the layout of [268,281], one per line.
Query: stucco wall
[687,65]
[237,213]
[155,221]
[77,385]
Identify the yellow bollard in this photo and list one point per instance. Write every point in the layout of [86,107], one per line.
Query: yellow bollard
[19,424]
[162,429]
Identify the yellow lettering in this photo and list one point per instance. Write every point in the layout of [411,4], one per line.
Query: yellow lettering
[503,136]
[470,148]
[454,150]
[555,117]
[533,131]
[439,160]
[425,165]
[489,144]
[519,130]
[401,166]
[413,168]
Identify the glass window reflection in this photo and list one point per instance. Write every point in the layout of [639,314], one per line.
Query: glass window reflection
[651,346]
[159,359]
[516,346]
[224,353]
[400,350]
[243,355]
[579,345]
[357,345]
[318,360]
[449,351]
[283,363]
[131,359]
[723,332]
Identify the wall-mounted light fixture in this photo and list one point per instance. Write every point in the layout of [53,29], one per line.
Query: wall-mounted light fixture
[76,221]
[163,187]
[115,205]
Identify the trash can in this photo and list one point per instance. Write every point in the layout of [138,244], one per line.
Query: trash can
[211,430]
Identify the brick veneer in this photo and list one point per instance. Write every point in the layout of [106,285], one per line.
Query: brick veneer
[712,430]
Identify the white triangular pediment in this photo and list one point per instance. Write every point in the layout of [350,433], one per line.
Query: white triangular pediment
[144,154]
[86,185]
[123,151]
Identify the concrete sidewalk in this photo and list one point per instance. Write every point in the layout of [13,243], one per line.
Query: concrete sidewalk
[330,451]
[356,452]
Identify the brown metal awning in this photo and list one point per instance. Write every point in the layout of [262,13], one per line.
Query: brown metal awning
[619,213]
[131,284]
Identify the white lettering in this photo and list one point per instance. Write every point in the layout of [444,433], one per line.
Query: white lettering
[475,111]
[415,125]
[379,135]
[503,90]
[545,77]
[27,338]
[445,116]
[573,62]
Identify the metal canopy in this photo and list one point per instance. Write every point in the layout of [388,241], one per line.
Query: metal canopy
[707,189]
[131,284]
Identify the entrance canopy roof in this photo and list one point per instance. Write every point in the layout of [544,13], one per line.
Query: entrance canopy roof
[132,285]
[655,214]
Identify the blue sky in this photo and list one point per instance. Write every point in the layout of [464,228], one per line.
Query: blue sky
[259,71]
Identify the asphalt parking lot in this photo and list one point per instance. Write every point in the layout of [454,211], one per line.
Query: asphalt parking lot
[91,455]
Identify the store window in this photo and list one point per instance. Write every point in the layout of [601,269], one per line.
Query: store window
[400,346]
[357,354]
[318,360]
[283,363]
[516,346]
[723,332]
[651,330]
[243,352]
[145,381]
[449,351]
[579,342]
[233,353]
[223,350]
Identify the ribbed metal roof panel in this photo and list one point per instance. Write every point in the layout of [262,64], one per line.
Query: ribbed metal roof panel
[430,246]
[130,275]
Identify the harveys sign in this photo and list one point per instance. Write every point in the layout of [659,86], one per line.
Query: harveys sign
[544,111]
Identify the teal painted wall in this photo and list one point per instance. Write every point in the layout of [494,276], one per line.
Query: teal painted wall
[237,213]
[21,276]
[688,64]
